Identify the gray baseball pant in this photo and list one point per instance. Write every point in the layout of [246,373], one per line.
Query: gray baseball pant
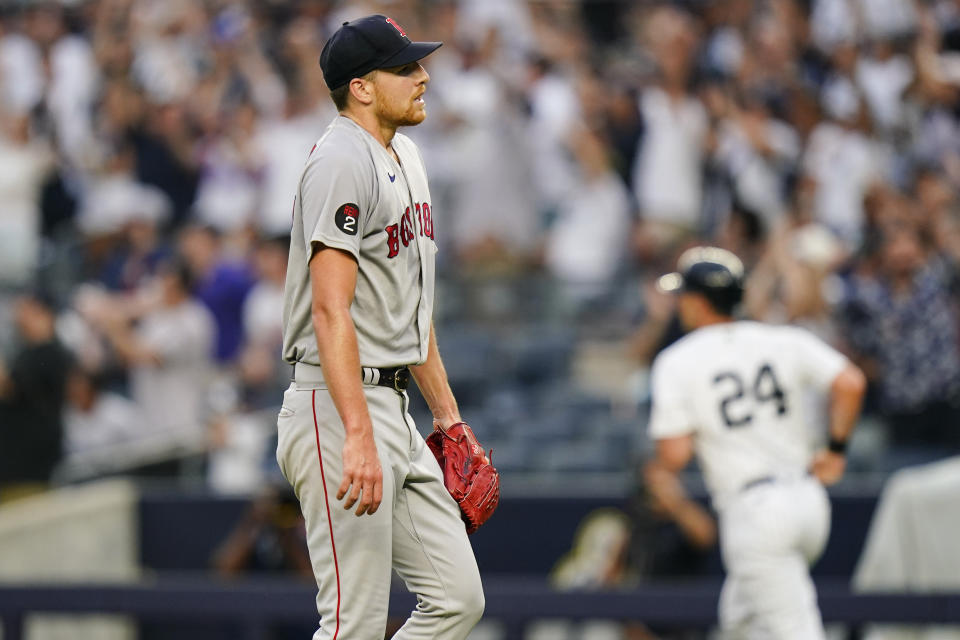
[417,530]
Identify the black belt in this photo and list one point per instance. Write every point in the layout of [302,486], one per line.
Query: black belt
[396,378]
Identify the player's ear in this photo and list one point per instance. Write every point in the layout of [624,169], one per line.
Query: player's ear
[362,88]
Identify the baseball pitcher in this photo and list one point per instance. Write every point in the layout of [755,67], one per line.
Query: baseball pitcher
[357,315]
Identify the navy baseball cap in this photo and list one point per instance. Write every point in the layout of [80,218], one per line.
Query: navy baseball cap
[362,45]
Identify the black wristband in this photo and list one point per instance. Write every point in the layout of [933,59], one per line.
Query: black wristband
[837,446]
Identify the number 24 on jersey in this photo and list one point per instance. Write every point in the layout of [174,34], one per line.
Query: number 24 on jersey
[741,397]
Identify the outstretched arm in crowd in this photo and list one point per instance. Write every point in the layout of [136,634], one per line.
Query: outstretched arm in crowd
[125,342]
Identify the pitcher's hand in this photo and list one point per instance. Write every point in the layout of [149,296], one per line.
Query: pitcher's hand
[362,475]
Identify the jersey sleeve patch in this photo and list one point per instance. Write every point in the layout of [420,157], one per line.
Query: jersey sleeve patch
[347,218]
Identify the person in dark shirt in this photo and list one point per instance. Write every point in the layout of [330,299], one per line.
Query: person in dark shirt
[164,148]
[32,395]
[900,320]
[269,539]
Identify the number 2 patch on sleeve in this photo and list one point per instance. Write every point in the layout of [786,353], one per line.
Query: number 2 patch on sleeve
[348,218]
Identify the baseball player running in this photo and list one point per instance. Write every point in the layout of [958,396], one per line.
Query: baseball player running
[357,316]
[737,393]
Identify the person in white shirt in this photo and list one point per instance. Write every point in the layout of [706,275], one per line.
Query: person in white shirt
[736,394]
[166,340]
[667,178]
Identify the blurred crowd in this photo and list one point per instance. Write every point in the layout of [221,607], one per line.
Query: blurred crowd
[151,151]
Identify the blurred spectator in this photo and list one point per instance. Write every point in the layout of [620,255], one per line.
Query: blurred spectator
[80,335]
[237,72]
[22,83]
[597,559]
[887,19]
[725,44]
[262,307]
[554,113]
[69,76]
[842,160]
[230,173]
[243,436]
[283,144]
[169,49]
[263,373]
[667,174]
[222,283]
[624,129]
[167,352]
[883,75]
[32,393]
[587,244]
[477,151]
[113,200]
[788,283]
[507,23]
[138,254]
[297,54]
[118,118]
[791,282]
[936,136]
[756,151]
[25,162]
[97,420]
[939,206]
[833,22]
[242,449]
[270,538]
[899,317]
[166,157]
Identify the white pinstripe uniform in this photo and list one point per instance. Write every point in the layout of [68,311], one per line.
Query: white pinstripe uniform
[742,390]
[354,196]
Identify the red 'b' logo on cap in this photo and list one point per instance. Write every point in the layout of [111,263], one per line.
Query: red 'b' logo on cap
[397,27]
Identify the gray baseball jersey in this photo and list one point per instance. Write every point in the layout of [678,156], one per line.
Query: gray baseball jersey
[360,200]
[355,197]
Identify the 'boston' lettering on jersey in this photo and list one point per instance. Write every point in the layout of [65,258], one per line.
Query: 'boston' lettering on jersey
[405,231]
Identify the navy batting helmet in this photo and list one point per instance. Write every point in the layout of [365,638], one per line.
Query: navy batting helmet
[715,273]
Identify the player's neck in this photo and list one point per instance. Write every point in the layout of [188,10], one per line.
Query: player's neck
[713,319]
[369,121]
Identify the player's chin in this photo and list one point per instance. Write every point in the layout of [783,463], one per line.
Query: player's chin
[414,117]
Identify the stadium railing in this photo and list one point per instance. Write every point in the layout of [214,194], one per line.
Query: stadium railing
[516,602]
